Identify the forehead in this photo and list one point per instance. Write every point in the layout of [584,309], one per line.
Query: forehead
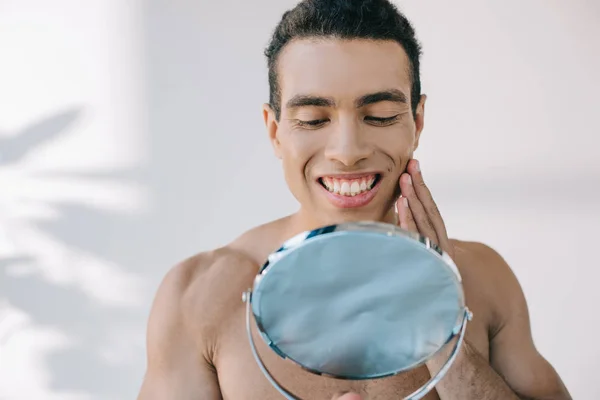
[341,68]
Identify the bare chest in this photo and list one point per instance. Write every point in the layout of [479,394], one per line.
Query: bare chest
[240,377]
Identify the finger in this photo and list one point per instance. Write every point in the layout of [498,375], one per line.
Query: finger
[424,225]
[405,217]
[431,208]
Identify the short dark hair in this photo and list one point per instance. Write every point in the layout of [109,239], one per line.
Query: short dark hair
[344,19]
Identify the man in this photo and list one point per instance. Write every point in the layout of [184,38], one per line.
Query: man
[345,117]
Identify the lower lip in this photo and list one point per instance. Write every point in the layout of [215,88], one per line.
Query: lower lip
[360,200]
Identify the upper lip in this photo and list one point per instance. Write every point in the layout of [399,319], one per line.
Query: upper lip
[357,175]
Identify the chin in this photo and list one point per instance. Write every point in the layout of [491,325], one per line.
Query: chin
[339,216]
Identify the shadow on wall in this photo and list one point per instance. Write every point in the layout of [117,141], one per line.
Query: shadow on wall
[15,148]
[77,271]
[89,270]
[80,367]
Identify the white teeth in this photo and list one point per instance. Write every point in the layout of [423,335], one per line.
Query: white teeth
[348,187]
[345,189]
[336,186]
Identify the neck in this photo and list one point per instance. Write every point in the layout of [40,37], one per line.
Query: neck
[304,220]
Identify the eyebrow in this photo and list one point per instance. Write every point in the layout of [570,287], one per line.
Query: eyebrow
[393,95]
[302,100]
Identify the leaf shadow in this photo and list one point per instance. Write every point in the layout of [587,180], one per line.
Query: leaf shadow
[15,148]
[92,327]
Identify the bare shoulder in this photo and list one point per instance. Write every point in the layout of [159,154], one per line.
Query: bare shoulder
[208,286]
[479,261]
[205,287]
[489,280]
[194,296]
[184,323]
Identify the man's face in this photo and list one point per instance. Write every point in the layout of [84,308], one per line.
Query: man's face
[346,131]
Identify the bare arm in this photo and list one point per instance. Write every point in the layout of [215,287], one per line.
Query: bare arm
[179,365]
[516,370]
[512,350]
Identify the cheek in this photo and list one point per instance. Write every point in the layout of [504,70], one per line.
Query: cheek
[294,162]
[398,145]
[297,149]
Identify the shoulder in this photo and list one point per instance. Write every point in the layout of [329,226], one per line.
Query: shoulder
[196,295]
[482,262]
[206,284]
[480,258]
[490,279]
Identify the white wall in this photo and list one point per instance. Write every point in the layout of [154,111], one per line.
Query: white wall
[123,126]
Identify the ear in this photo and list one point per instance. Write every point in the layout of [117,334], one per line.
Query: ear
[272,126]
[419,120]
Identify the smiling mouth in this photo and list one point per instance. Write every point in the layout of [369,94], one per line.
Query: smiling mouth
[350,187]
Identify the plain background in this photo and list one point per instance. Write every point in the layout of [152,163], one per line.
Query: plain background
[131,137]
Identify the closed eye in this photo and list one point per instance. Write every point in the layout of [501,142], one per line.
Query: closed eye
[377,121]
[312,124]
[382,121]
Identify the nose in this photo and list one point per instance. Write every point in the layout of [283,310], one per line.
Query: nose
[347,146]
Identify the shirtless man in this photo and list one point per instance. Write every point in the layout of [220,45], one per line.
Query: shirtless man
[346,106]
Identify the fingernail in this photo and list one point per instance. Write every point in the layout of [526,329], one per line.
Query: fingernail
[405,202]
[417,166]
[409,179]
